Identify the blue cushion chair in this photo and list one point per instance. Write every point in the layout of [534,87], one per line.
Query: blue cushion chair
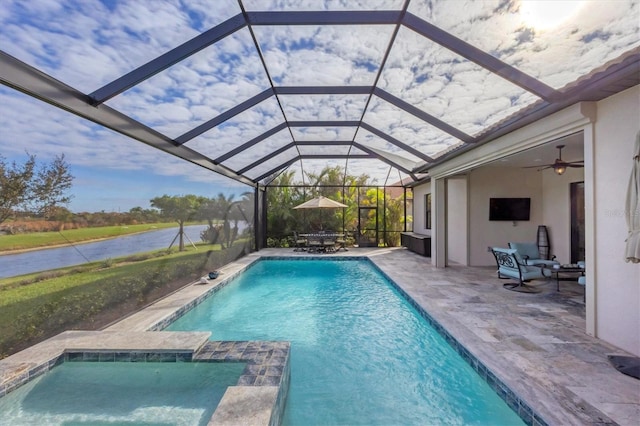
[531,255]
[582,280]
[511,265]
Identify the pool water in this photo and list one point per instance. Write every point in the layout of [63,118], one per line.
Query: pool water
[360,353]
[121,393]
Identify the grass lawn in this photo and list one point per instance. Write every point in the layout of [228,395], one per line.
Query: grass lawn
[46,239]
[16,289]
[37,306]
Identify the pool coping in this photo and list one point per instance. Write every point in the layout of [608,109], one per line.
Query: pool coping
[267,404]
[138,338]
[165,311]
[511,398]
[264,380]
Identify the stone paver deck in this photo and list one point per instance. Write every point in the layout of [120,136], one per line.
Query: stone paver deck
[534,343]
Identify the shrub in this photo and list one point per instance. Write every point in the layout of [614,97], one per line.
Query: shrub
[278,242]
[84,306]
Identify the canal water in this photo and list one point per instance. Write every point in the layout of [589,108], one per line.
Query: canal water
[42,260]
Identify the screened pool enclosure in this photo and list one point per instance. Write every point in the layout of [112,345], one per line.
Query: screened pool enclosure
[220,116]
[250,89]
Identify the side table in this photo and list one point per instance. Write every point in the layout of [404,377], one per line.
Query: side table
[571,272]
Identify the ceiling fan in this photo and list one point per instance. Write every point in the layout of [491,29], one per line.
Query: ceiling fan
[559,166]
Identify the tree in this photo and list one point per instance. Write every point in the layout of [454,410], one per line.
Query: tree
[140,215]
[39,188]
[225,204]
[219,212]
[209,211]
[282,196]
[14,185]
[284,193]
[178,208]
[48,188]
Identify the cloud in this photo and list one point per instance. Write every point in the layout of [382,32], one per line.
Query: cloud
[238,130]
[557,55]
[445,85]
[47,132]
[322,4]
[89,43]
[323,107]
[259,150]
[324,55]
[406,127]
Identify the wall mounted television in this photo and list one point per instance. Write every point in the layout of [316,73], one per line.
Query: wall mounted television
[509,209]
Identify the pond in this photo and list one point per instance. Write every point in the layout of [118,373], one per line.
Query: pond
[59,257]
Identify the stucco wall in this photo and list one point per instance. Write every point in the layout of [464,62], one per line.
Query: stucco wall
[457,220]
[496,182]
[556,212]
[419,209]
[618,283]
[613,286]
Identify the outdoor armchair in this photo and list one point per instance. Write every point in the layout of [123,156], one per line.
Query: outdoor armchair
[530,254]
[511,265]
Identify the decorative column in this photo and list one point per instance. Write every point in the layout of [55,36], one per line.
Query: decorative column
[439,223]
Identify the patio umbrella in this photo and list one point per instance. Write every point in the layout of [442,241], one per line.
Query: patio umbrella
[320,203]
[632,208]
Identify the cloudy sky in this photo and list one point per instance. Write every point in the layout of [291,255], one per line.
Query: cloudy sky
[89,43]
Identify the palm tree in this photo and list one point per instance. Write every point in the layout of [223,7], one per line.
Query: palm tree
[224,205]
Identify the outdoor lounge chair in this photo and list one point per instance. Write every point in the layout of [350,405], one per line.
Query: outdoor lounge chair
[531,255]
[510,265]
[582,280]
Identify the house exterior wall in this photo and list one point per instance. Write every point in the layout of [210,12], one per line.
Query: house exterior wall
[556,210]
[617,290]
[457,220]
[419,208]
[497,182]
[550,206]
[609,127]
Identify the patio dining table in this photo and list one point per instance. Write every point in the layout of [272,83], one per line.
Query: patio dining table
[324,241]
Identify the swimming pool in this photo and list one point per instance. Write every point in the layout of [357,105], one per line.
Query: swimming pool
[360,353]
[119,393]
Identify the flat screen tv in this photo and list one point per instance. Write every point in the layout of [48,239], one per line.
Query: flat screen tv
[511,209]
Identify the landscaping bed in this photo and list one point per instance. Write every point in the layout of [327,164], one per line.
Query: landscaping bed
[39,306]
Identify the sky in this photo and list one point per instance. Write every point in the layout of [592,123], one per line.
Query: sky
[88,43]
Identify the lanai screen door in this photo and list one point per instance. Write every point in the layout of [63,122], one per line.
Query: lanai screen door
[367,227]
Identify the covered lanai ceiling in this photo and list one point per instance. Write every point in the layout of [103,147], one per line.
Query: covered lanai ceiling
[250,88]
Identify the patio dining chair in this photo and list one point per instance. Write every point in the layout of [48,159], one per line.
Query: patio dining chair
[341,242]
[511,265]
[329,245]
[299,242]
[315,244]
